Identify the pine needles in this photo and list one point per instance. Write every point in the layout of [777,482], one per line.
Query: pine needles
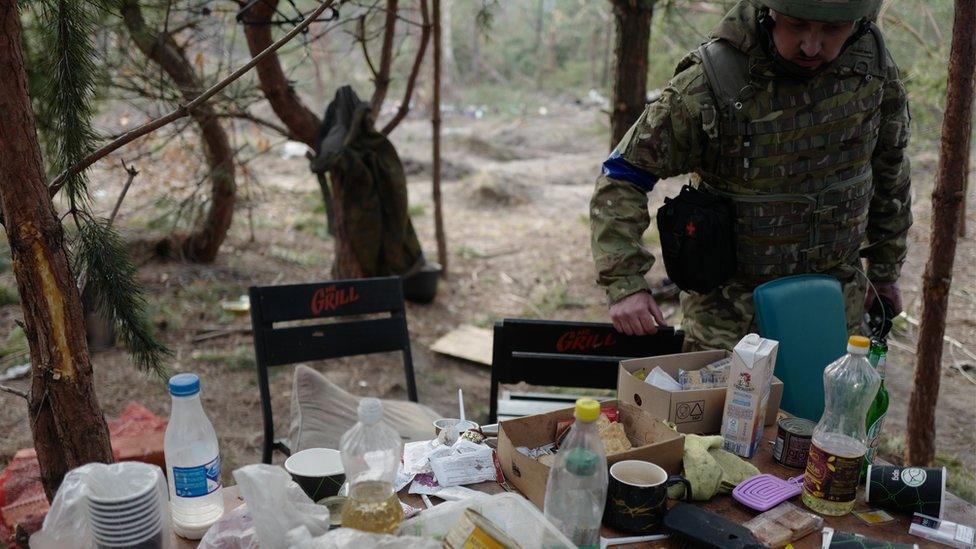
[68,28]
[70,74]
[100,253]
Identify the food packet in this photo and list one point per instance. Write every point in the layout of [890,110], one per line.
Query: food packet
[783,524]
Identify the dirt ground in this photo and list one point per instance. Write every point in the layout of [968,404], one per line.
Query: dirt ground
[518,233]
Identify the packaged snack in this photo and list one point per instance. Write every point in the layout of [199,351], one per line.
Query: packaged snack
[942,531]
[783,524]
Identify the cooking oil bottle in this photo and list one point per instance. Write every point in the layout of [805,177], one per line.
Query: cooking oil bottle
[839,440]
[371,452]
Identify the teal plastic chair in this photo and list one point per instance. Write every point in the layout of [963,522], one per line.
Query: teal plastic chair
[805,313]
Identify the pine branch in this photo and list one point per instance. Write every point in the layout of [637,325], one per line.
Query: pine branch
[183,110]
[111,276]
[68,27]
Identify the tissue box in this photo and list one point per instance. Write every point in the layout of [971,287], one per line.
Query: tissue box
[653,441]
[693,411]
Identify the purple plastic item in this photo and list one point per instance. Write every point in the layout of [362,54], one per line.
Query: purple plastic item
[763,492]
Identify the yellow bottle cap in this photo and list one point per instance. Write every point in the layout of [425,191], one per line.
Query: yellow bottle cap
[587,409]
[859,341]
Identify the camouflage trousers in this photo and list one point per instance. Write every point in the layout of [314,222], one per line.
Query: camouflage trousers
[719,319]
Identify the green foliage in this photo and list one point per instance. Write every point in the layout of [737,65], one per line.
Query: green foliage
[70,68]
[100,254]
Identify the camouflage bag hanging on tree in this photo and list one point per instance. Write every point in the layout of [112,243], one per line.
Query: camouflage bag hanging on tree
[374,233]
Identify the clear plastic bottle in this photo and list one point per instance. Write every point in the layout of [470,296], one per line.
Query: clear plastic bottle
[839,440]
[577,487]
[192,461]
[371,452]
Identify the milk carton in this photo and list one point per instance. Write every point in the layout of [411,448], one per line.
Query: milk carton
[751,374]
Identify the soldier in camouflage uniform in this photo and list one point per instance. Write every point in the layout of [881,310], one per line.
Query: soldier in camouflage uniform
[795,112]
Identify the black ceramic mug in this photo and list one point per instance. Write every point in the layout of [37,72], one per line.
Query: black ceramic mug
[637,496]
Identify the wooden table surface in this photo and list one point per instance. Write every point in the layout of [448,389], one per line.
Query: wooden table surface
[956,510]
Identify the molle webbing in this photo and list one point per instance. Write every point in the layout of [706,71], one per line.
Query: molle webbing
[794,157]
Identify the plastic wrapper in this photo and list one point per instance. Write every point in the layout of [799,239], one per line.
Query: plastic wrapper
[512,513]
[278,505]
[67,525]
[234,530]
[783,524]
[348,538]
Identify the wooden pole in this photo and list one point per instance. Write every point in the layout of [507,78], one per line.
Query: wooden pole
[947,200]
[435,120]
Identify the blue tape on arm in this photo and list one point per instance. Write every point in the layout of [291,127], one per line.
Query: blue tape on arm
[618,168]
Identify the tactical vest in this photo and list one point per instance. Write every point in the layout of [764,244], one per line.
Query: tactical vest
[794,156]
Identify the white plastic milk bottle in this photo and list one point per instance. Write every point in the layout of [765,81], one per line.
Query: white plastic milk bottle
[192,461]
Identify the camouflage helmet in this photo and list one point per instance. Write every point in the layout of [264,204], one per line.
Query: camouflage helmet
[825,10]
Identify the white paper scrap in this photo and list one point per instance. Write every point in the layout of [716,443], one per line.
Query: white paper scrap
[468,468]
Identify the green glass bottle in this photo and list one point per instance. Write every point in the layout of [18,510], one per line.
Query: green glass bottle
[879,408]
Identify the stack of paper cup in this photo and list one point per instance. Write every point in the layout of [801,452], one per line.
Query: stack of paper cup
[134,520]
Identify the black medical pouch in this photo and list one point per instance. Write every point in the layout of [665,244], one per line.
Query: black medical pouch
[697,232]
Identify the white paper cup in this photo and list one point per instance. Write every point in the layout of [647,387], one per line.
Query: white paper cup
[465,425]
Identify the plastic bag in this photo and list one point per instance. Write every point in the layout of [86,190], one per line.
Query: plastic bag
[349,538]
[783,524]
[278,505]
[67,525]
[234,530]
[513,514]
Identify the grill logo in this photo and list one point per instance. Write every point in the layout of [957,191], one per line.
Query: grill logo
[330,298]
[583,340]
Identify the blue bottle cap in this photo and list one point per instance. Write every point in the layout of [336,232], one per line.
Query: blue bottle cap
[184,385]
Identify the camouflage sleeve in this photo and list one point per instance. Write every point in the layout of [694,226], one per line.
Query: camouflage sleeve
[665,141]
[890,214]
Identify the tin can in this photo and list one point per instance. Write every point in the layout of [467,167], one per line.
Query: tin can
[792,445]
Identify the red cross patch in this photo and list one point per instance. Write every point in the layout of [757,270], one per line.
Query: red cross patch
[690,228]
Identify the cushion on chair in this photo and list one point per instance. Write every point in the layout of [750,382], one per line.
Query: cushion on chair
[321,412]
[805,313]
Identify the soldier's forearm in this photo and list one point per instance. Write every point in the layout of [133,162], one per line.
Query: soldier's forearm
[618,219]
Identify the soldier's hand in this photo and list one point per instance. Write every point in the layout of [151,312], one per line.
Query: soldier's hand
[891,291]
[637,314]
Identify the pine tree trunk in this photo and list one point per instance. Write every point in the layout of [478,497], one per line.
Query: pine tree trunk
[947,201]
[67,424]
[203,244]
[633,36]
[436,126]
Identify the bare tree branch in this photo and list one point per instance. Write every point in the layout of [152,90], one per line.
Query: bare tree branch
[17,392]
[363,41]
[382,82]
[414,71]
[133,172]
[184,110]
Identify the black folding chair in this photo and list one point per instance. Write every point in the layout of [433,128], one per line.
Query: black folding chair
[568,354]
[277,346]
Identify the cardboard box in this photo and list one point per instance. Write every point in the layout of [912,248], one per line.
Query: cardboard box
[693,411]
[653,441]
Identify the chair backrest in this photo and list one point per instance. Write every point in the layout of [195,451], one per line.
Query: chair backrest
[805,313]
[568,354]
[277,345]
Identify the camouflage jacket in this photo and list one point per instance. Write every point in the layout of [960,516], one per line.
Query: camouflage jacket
[678,134]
